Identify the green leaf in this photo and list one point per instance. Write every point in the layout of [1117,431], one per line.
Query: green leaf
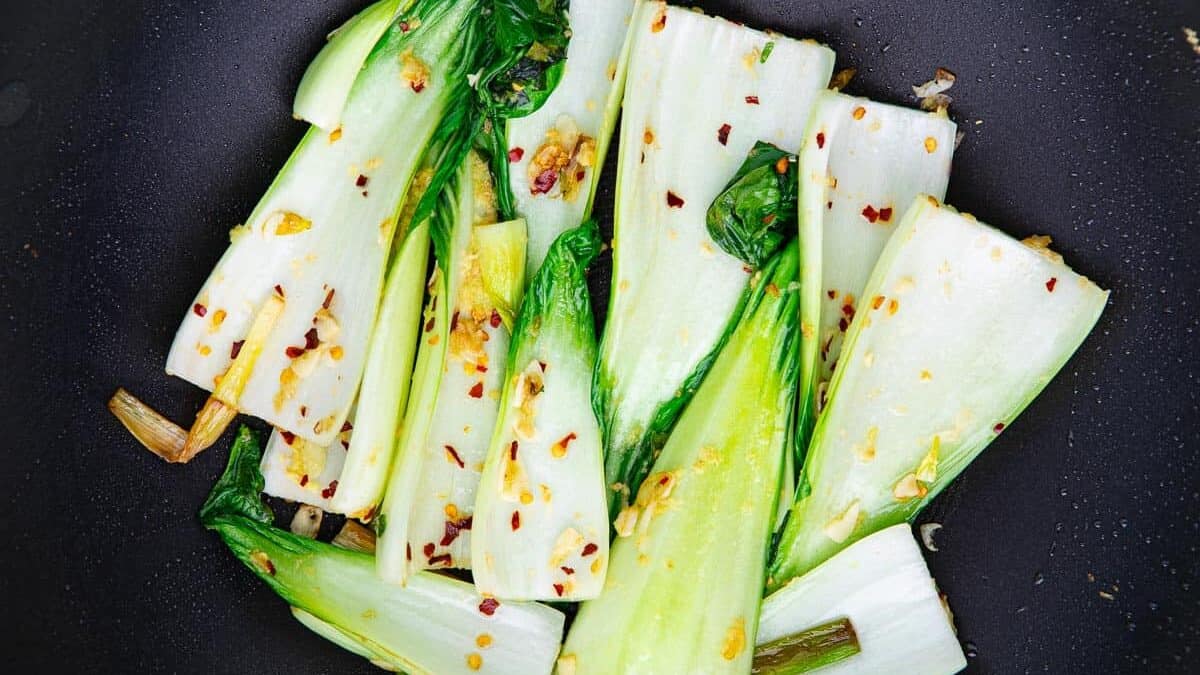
[238,491]
[532,37]
[756,213]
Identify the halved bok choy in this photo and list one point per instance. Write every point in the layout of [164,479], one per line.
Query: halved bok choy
[862,165]
[281,328]
[541,516]
[553,157]
[686,576]
[880,597]
[959,328]
[477,286]
[434,625]
[701,92]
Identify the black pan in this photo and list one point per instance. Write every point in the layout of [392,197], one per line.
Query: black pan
[134,134]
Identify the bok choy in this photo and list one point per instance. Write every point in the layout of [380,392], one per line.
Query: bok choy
[280,330]
[701,92]
[541,517]
[881,587]
[554,155]
[862,164]
[434,625]
[685,580]
[960,327]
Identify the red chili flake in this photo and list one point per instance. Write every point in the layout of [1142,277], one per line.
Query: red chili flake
[870,214]
[454,455]
[516,520]
[345,445]
[330,491]
[579,175]
[512,451]
[820,140]
[453,528]
[723,134]
[303,480]
[664,480]
[199,309]
[428,550]
[304,411]
[454,321]
[829,205]
[294,352]
[752,100]
[747,269]
[516,154]
[496,319]
[346,426]
[1050,284]
[404,28]
[589,549]
[831,293]
[236,349]
[558,588]
[480,369]
[885,214]
[279,291]
[999,427]
[843,324]
[566,440]
[768,219]
[328,299]
[418,87]
[408,551]
[476,391]
[542,365]
[488,606]
[674,201]
[311,339]
[287,436]
[361,181]
[567,570]
[544,182]
[441,559]
[848,310]
[429,324]
[271,568]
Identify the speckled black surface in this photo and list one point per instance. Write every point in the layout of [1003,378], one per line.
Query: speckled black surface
[134,134]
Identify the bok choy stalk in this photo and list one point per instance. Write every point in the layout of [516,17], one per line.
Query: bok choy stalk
[701,92]
[326,84]
[553,157]
[541,516]
[302,471]
[430,501]
[961,326]
[685,580]
[862,164]
[434,625]
[280,329]
[882,586]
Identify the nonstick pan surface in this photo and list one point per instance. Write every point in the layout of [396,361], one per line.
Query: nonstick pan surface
[133,135]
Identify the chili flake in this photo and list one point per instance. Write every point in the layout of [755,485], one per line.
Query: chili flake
[361,181]
[199,309]
[294,352]
[723,134]
[885,214]
[567,570]
[287,436]
[658,24]
[429,324]
[589,550]
[999,427]
[453,528]
[877,302]
[428,550]
[870,214]
[752,100]
[279,291]
[558,588]
[236,349]
[544,182]
[452,455]
[330,491]
[516,520]
[559,449]
[820,140]
[674,201]
[1050,284]
[488,606]
[303,480]
[496,319]
[512,451]
[831,293]
[476,391]
[311,339]
[328,299]
[443,559]
[516,154]
[859,113]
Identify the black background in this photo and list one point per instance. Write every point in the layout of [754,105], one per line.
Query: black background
[150,128]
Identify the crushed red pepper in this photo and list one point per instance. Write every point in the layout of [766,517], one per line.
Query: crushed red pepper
[454,321]
[443,559]
[820,140]
[453,454]
[831,293]
[870,214]
[1050,284]
[516,154]
[723,134]
[589,549]
[279,291]
[559,588]
[236,348]
[294,352]
[752,100]
[361,181]
[311,339]
[512,451]
[453,528]
[516,520]
[999,427]
[428,549]
[303,480]
[199,309]
[346,426]
[330,491]
[488,606]
[328,299]
[476,391]
[429,324]
[674,201]
[417,87]
[408,550]
[567,570]
[287,436]
[544,182]
[885,214]
[496,319]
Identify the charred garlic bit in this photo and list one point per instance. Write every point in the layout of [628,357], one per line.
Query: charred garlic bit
[316,230]
[689,75]
[686,576]
[461,363]
[963,329]
[882,588]
[555,154]
[541,518]
[862,164]
[434,625]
